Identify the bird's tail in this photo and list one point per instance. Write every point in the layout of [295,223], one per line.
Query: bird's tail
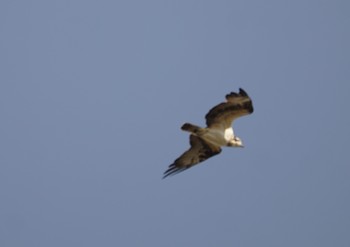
[191,128]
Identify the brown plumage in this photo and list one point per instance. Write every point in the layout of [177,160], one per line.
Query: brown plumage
[207,142]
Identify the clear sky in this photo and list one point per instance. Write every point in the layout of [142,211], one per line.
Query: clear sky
[93,95]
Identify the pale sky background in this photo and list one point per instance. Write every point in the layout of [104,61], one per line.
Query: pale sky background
[93,95]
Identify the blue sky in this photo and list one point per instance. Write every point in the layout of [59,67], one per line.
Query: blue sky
[93,95]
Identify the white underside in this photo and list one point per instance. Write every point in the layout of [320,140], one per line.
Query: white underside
[219,137]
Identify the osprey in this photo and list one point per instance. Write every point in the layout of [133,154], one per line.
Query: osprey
[207,142]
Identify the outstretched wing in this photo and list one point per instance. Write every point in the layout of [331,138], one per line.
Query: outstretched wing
[236,105]
[198,152]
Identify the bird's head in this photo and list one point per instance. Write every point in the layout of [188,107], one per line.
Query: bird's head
[236,142]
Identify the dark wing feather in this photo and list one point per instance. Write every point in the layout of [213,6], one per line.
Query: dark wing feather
[236,105]
[198,152]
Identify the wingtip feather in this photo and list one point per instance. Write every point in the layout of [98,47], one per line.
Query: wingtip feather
[172,170]
[242,92]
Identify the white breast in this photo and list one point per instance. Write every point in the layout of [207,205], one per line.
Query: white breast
[229,134]
[217,136]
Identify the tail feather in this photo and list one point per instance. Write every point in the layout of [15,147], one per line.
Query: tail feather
[190,128]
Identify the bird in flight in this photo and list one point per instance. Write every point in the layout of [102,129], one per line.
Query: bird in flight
[207,142]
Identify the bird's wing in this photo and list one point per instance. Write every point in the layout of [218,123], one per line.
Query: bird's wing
[198,152]
[236,105]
